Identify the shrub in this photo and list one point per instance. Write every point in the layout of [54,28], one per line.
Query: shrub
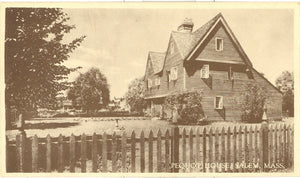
[253,100]
[188,106]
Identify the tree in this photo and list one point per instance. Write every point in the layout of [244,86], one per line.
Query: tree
[92,88]
[34,56]
[253,101]
[285,83]
[135,95]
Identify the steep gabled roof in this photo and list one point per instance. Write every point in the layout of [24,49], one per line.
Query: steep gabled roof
[157,60]
[188,43]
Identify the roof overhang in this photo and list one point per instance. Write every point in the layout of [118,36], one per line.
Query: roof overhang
[220,61]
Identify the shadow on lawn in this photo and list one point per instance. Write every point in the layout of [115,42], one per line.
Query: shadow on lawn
[43,126]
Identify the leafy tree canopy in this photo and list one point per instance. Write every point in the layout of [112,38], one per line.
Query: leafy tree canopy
[135,95]
[285,83]
[34,53]
[92,89]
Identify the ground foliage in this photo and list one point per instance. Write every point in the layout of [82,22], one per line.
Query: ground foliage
[34,56]
[187,105]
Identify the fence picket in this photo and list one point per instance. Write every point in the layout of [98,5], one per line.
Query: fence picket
[234,148]
[60,154]
[280,144]
[197,158]
[48,154]
[271,144]
[284,145]
[35,153]
[72,153]
[228,152]
[246,148]
[142,143]
[183,147]
[83,153]
[104,152]
[261,160]
[132,151]
[292,148]
[167,151]
[159,160]
[223,149]
[124,148]
[210,148]
[114,152]
[150,151]
[217,149]
[288,158]
[94,152]
[204,149]
[191,135]
[276,144]
[251,147]
[240,148]
[256,149]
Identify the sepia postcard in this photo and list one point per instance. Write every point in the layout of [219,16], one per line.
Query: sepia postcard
[149,89]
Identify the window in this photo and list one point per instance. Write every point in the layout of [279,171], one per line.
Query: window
[219,102]
[204,72]
[173,74]
[230,73]
[219,44]
[157,81]
[171,48]
[149,83]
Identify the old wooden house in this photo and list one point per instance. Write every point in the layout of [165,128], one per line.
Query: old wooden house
[209,59]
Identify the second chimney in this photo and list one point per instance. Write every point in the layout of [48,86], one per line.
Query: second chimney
[186,26]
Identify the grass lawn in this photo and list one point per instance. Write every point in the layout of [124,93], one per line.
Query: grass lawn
[77,125]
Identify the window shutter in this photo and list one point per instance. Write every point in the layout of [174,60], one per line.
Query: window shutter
[204,72]
[157,81]
[175,73]
[221,103]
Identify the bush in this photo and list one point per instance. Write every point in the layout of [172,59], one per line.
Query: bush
[188,106]
[253,101]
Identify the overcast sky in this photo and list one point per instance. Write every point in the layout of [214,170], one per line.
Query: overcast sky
[118,40]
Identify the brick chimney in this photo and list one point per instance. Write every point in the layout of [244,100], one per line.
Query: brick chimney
[186,26]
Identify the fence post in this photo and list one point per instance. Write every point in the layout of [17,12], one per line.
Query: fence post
[20,142]
[264,142]
[175,149]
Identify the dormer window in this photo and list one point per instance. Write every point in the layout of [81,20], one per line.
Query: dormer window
[219,44]
[204,72]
